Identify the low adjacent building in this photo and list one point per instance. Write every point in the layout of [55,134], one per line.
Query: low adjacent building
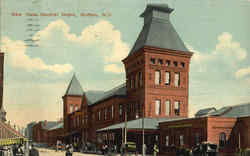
[227,127]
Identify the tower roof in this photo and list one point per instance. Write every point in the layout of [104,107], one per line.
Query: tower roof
[157,30]
[74,87]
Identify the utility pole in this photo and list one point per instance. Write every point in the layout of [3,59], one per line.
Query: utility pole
[125,133]
[143,147]
[125,139]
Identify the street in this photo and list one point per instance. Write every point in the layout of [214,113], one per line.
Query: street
[49,152]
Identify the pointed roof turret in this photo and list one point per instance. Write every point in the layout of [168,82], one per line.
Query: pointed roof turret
[157,30]
[74,87]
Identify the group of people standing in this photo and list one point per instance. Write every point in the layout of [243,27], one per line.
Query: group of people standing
[18,150]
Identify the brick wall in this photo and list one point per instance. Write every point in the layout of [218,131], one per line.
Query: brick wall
[148,92]
[208,128]
[39,135]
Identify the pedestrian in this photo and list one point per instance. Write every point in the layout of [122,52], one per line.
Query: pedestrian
[103,149]
[69,150]
[57,145]
[33,151]
[14,150]
[19,150]
[156,150]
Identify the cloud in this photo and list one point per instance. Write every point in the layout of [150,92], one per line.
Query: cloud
[242,72]
[16,52]
[102,35]
[113,68]
[225,48]
[228,47]
[227,54]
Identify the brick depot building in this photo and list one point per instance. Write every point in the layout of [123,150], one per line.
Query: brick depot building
[47,132]
[156,92]
[156,88]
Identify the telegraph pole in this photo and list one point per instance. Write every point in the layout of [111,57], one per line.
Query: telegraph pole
[125,134]
[143,147]
[125,139]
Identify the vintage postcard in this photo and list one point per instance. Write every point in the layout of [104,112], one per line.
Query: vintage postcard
[116,77]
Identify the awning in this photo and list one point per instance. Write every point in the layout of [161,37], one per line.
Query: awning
[149,123]
[11,141]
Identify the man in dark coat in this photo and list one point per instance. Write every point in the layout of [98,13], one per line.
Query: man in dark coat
[33,151]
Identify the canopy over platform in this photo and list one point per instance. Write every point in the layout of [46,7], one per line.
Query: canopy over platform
[149,123]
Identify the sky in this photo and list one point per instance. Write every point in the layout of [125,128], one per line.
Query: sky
[93,45]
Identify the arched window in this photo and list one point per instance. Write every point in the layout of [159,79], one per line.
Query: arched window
[222,139]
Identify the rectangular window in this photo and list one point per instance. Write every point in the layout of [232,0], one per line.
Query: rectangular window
[112,111]
[157,77]
[120,110]
[99,115]
[105,113]
[167,140]
[71,107]
[152,60]
[167,78]
[175,63]
[76,108]
[167,62]
[181,140]
[140,79]
[182,64]
[131,82]
[160,62]
[134,82]
[177,79]
[157,107]
[167,107]
[177,107]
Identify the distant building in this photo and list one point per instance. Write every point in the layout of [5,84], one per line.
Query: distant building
[29,130]
[46,132]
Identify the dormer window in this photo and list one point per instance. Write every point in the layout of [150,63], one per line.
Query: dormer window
[152,60]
